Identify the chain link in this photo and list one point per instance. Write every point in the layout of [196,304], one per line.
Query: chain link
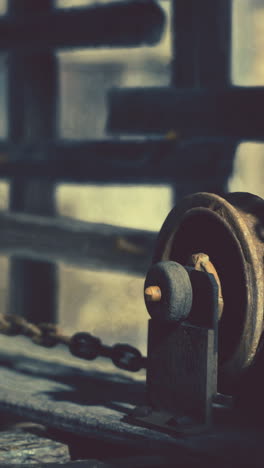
[83,345]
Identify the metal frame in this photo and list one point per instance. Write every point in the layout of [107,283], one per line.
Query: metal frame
[34,159]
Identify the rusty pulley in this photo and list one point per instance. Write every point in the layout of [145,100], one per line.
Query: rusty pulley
[229,233]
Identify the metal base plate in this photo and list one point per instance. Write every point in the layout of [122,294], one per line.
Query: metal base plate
[165,422]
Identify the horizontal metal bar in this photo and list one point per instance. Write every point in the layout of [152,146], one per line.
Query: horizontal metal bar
[157,160]
[232,112]
[87,245]
[112,149]
[116,24]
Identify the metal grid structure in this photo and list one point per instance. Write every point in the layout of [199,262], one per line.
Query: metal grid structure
[205,113]
[207,117]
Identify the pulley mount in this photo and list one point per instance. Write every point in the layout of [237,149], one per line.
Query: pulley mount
[204,293]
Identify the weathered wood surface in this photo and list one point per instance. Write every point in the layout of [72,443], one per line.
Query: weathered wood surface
[24,448]
[89,245]
[94,26]
[90,400]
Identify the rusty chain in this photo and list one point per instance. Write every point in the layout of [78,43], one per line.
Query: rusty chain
[83,345]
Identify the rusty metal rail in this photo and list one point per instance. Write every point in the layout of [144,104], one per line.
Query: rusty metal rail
[87,245]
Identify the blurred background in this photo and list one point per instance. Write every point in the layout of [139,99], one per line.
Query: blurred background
[111,305]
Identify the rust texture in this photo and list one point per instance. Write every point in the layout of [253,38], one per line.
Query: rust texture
[230,231]
[201,262]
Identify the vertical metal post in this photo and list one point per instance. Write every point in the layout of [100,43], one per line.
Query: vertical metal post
[32,93]
[201,43]
[184,67]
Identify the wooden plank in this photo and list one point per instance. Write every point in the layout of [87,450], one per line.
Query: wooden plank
[51,387]
[107,25]
[87,245]
[63,392]
[234,112]
[20,447]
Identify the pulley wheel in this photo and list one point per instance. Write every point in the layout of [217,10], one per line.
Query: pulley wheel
[230,231]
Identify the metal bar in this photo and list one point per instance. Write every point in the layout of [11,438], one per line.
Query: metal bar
[87,245]
[61,150]
[229,112]
[32,93]
[201,43]
[184,64]
[201,40]
[215,44]
[116,24]
[156,161]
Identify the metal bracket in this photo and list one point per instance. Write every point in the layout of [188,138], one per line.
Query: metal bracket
[182,366]
[164,421]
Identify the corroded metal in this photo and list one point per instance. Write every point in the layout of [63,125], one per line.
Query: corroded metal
[201,262]
[152,294]
[82,344]
[229,231]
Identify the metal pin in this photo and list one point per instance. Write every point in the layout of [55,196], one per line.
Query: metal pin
[152,294]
